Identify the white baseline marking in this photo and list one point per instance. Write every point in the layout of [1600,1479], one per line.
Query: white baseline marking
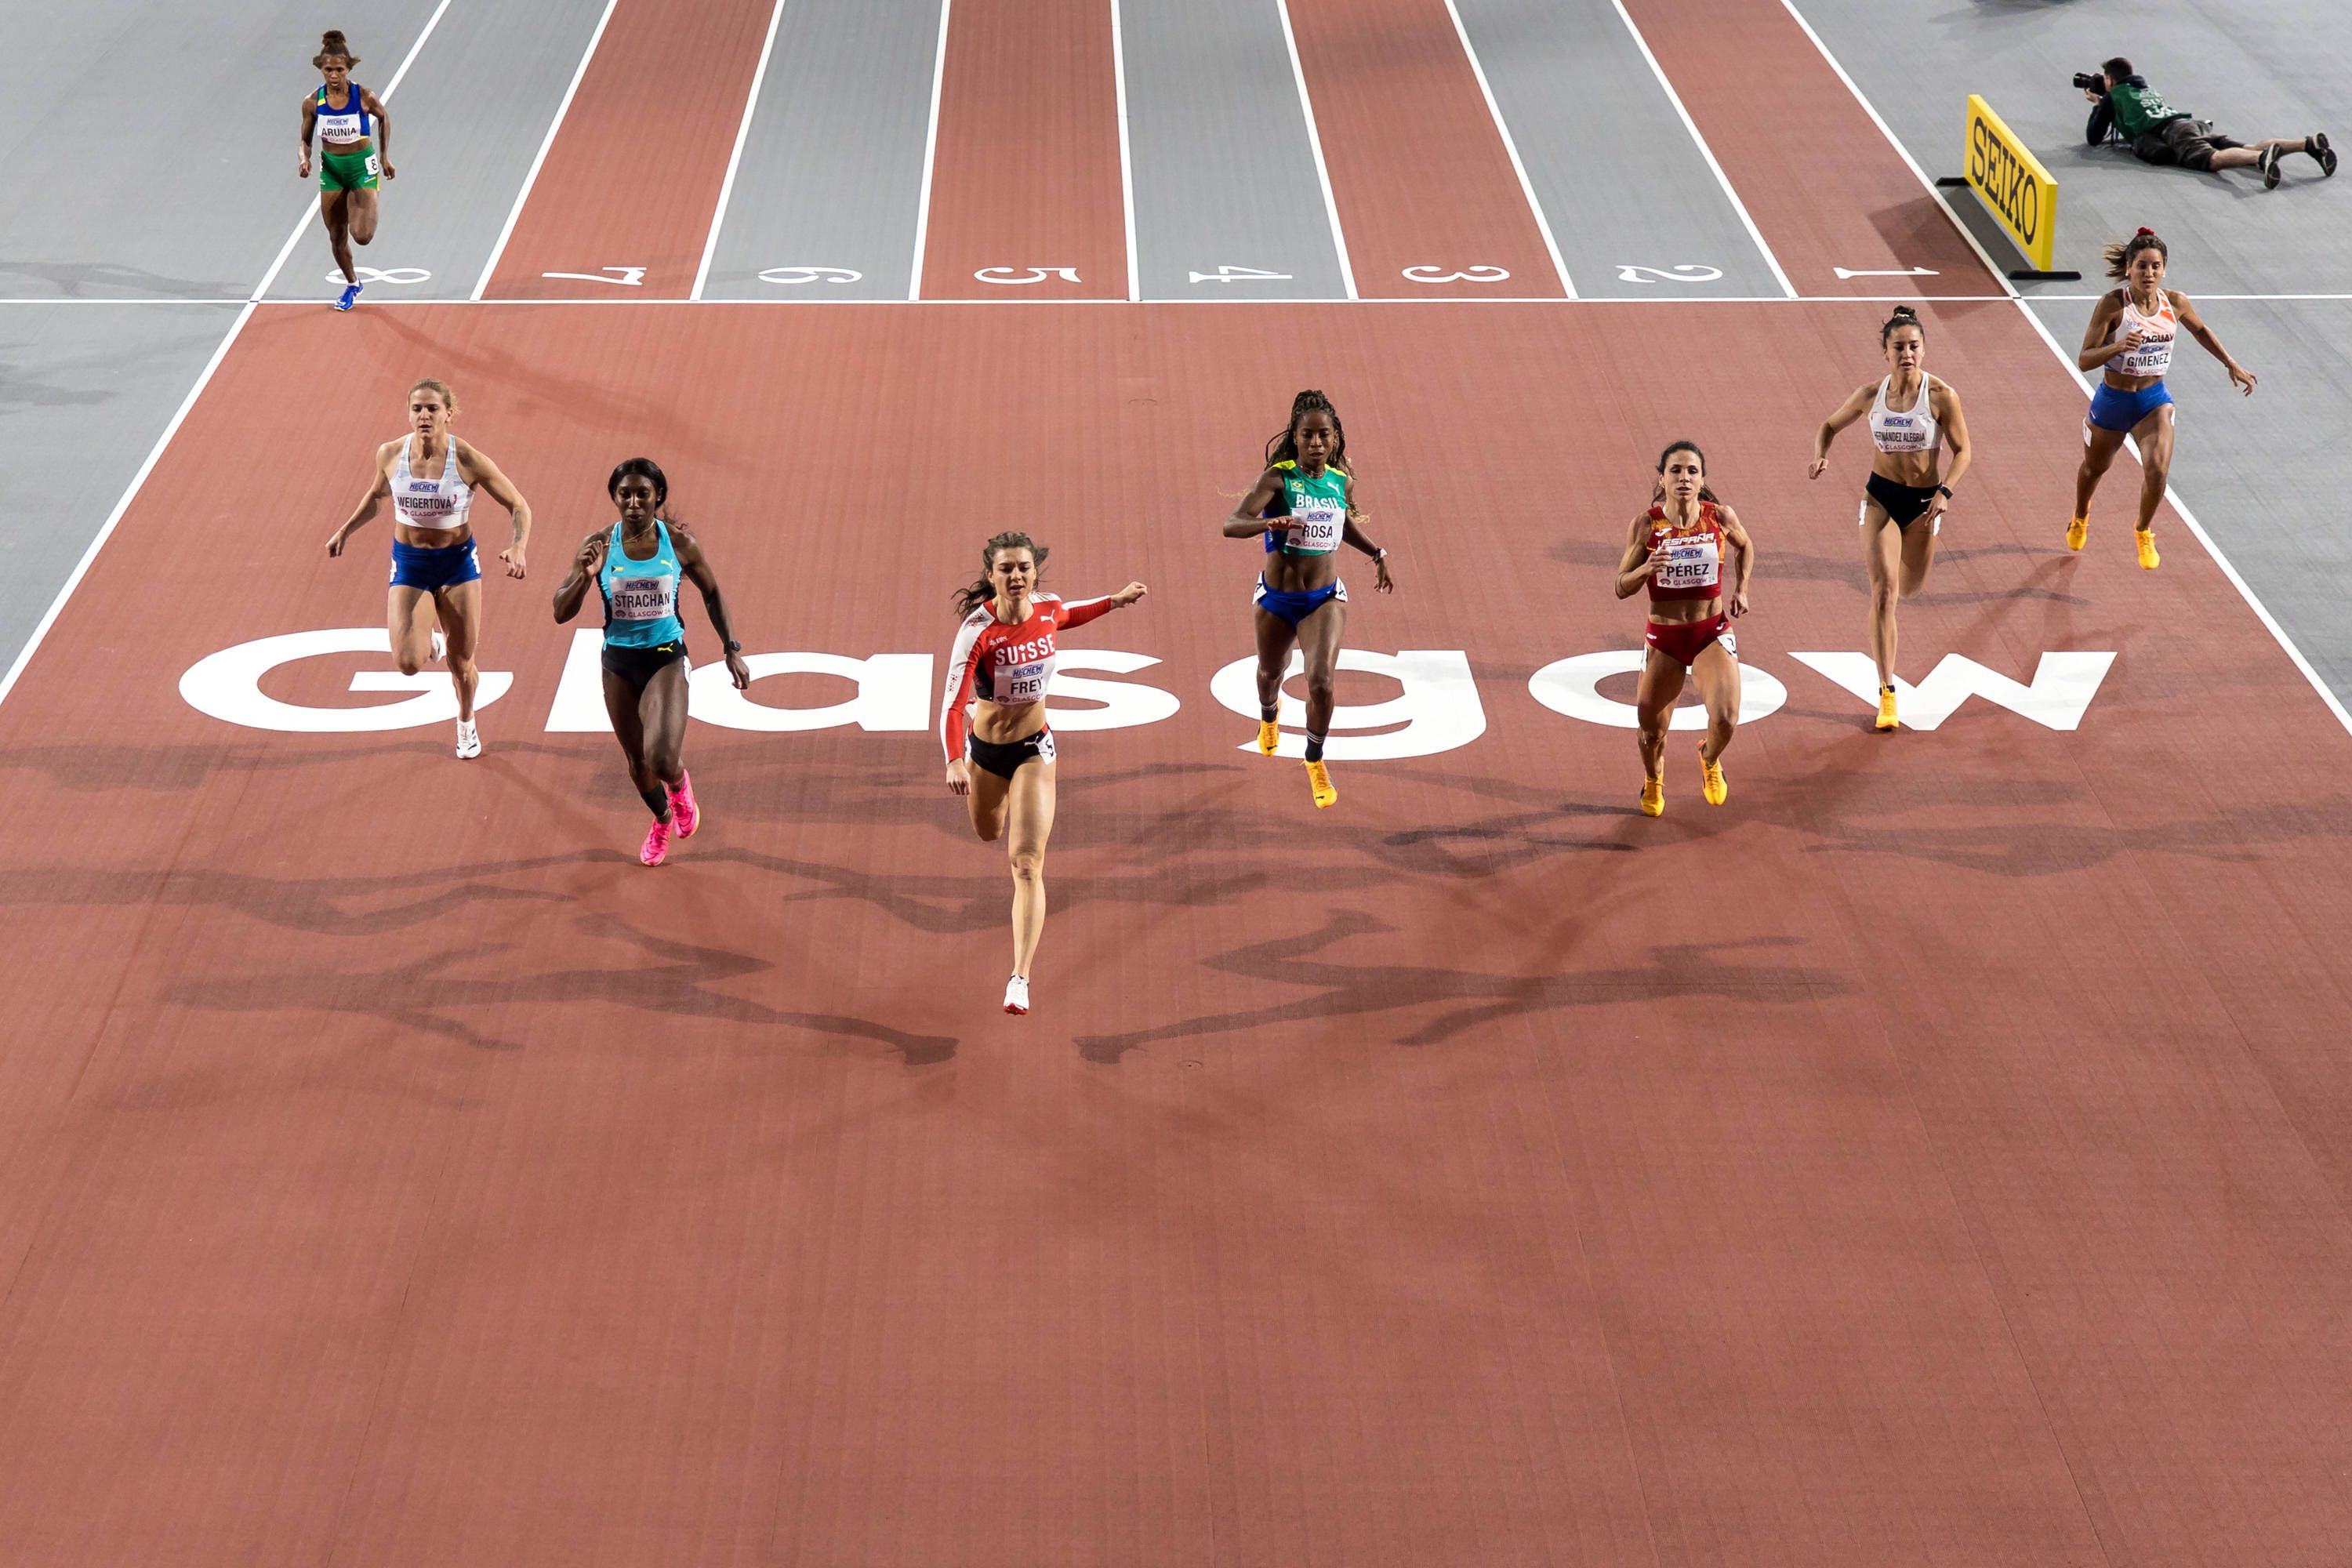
[735,158]
[506,232]
[1315,145]
[930,157]
[1704,150]
[1126,169]
[203,378]
[1527,189]
[2245,591]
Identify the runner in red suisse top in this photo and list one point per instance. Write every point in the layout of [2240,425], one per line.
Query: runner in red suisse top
[1677,549]
[992,721]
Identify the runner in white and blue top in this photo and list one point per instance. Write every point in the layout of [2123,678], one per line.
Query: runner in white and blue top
[430,477]
[639,565]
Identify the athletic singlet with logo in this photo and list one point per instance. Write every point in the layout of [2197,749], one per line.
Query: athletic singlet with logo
[350,123]
[1311,514]
[1009,663]
[443,503]
[641,597]
[2153,354]
[1913,432]
[1693,568]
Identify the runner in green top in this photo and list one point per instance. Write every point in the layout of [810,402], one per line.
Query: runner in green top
[354,141]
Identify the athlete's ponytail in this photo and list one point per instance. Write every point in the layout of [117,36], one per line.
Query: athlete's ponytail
[973,597]
[331,45]
[1903,316]
[1658,488]
[2120,257]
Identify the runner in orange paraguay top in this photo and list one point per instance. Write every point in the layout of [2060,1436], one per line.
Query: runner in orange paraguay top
[1678,548]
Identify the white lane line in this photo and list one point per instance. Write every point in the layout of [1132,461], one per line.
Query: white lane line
[735,159]
[1126,170]
[1704,150]
[1315,145]
[2025,308]
[147,299]
[203,378]
[930,158]
[506,231]
[310,210]
[1527,188]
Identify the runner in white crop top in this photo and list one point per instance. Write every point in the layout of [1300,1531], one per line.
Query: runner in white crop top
[1904,488]
[2129,342]
[430,477]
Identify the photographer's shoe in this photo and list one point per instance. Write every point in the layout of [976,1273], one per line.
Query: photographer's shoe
[2317,145]
[2269,165]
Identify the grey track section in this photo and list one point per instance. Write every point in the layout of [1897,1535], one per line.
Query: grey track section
[1618,175]
[84,392]
[832,172]
[150,149]
[2227,235]
[466,124]
[1219,156]
[2277,69]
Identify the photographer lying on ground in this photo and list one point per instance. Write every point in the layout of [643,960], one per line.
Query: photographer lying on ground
[2158,133]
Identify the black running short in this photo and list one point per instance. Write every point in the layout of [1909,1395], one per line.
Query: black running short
[1904,503]
[639,665]
[1004,761]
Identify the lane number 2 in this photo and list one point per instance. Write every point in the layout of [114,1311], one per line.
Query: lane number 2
[630,276]
[1688,272]
[1468,275]
[1034,274]
[810,275]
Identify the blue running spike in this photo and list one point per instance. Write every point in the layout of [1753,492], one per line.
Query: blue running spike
[351,297]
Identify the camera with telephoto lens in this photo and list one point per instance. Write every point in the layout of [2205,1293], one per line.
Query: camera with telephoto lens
[2090,81]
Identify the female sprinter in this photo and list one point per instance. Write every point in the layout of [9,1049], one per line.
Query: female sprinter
[1677,548]
[2131,338]
[1903,488]
[1001,757]
[1304,504]
[636,565]
[355,141]
[430,477]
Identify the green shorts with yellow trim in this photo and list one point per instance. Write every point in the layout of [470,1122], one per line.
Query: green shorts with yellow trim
[349,170]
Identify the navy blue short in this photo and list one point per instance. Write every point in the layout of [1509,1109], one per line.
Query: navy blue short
[1297,608]
[2112,409]
[413,566]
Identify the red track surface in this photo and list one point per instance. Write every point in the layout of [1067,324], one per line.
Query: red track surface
[1418,171]
[1937,1155]
[1822,181]
[633,177]
[1026,176]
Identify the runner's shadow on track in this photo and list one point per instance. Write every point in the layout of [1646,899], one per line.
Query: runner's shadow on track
[1676,969]
[93,769]
[437,992]
[328,906]
[74,279]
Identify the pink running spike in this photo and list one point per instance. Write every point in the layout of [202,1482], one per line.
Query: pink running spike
[684,812]
[656,847]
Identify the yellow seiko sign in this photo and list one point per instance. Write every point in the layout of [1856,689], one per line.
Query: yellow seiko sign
[2012,182]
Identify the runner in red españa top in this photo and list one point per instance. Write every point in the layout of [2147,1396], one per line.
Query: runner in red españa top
[999,752]
[1678,549]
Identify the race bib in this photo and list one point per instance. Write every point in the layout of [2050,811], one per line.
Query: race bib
[1315,533]
[644,598]
[374,167]
[1690,563]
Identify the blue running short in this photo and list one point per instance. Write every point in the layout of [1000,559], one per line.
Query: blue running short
[2114,409]
[1297,608]
[415,567]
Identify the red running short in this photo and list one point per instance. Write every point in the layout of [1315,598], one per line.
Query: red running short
[1684,644]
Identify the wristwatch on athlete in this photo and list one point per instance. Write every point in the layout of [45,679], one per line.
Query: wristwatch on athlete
[734,646]
[1944,490]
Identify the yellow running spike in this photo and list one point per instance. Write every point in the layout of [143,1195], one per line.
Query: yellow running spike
[1887,720]
[1318,778]
[1716,791]
[1269,736]
[1654,797]
[2149,558]
[2077,531]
